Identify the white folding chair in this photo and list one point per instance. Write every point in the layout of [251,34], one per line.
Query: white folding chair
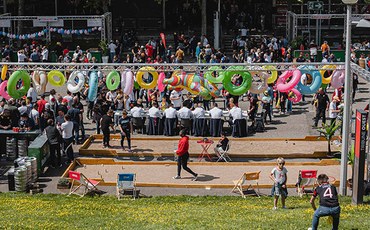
[89,185]
[246,180]
[126,182]
[306,182]
[223,154]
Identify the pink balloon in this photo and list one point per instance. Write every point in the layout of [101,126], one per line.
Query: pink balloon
[129,87]
[161,86]
[281,83]
[298,95]
[3,92]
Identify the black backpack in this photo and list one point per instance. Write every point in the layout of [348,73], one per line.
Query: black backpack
[259,125]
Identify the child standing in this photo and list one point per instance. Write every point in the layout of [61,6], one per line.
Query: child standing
[279,177]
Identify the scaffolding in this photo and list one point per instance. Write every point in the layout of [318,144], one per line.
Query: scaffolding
[165,67]
[187,67]
[8,23]
[301,23]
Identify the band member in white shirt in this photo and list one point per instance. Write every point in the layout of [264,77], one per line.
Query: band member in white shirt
[154,120]
[200,125]
[170,121]
[216,123]
[137,117]
[185,115]
[235,112]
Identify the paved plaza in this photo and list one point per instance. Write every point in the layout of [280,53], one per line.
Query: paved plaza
[215,178]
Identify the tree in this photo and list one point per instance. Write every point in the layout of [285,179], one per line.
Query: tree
[204,16]
[328,131]
[98,6]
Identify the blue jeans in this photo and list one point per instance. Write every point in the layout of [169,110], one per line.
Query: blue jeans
[76,129]
[326,211]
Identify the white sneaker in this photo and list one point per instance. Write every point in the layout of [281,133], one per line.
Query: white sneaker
[176,177]
[195,178]
[309,228]
[284,207]
[274,208]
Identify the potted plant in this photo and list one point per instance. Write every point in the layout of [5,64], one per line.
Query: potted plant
[63,183]
[351,161]
[103,45]
[328,132]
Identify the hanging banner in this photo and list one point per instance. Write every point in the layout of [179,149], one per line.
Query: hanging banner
[47,19]
[57,23]
[94,22]
[4,23]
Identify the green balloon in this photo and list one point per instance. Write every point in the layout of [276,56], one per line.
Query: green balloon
[241,89]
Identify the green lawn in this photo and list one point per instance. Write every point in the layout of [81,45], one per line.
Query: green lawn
[18,211]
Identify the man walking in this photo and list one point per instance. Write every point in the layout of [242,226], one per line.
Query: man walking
[183,156]
[322,106]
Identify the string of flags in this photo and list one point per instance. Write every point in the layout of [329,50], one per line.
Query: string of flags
[52,29]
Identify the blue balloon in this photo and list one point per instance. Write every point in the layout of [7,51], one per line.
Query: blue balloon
[17,36]
[37,35]
[1,33]
[45,30]
[89,30]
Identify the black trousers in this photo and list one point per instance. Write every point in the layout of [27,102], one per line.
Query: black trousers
[320,112]
[128,136]
[55,157]
[69,150]
[106,134]
[182,161]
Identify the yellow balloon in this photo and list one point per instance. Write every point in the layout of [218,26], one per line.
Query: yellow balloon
[4,70]
[274,73]
[327,80]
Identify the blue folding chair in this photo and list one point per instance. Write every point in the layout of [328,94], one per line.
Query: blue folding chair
[126,182]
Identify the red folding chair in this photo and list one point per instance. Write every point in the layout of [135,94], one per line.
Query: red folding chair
[306,182]
[88,185]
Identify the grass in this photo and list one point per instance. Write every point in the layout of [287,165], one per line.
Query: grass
[19,211]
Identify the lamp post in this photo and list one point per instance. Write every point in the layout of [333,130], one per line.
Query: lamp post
[347,113]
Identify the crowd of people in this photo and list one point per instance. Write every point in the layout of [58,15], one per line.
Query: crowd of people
[163,110]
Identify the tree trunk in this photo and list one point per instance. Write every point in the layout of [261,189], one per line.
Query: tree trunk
[105,6]
[204,16]
[329,148]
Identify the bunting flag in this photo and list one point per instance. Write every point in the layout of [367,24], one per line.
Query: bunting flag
[45,31]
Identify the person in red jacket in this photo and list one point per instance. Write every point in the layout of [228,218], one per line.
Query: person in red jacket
[183,156]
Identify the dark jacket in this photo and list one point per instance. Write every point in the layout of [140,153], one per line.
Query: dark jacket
[53,135]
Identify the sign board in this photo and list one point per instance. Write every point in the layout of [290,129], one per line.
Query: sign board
[4,23]
[321,16]
[94,22]
[359,161]
[318,6]
[356,19]
[47,19]
[58,23]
